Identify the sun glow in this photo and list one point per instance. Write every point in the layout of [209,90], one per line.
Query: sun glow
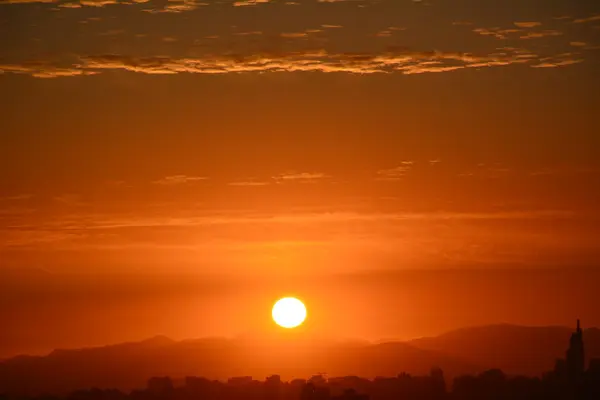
[288,312]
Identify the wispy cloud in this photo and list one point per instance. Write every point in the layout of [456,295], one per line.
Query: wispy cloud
[21,238]
[91,222]
[97,3]
[568,171]
[17,197]
[587,19]
[303,177]
[396,173]
[488,172]
[541,34]
[70,200]
[179,180]
[249,33]
[389,31]
[249,183]
[294,35]
[244,3]
[531,24]
[560,60]
[511,33]
[44,70]
[176,6]
[25,1]
[390,61]
[498,33]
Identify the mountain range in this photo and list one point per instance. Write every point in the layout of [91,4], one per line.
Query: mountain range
[514,349]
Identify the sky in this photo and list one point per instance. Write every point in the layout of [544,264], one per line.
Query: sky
[178,165]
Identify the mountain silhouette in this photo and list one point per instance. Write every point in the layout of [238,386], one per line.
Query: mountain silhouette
[127,366]
[514,349]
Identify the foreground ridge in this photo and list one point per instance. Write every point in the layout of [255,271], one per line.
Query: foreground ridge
[570,379]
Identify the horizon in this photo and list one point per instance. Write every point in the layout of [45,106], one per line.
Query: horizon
[257,338]
[83,309]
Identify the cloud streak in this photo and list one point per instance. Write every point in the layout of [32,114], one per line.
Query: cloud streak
[587,19]
[84,222]
[396,173]
[299,177]
[174,180]
[541,34]
[391,61]
[25,1]
[531,24]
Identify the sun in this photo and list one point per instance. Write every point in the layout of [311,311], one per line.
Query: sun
[288,312]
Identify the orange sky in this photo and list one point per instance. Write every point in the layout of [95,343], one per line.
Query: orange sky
[151,152]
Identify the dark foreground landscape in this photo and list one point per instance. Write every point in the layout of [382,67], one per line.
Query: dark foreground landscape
[456,365]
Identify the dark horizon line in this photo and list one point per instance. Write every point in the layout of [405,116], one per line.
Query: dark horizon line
[242,336]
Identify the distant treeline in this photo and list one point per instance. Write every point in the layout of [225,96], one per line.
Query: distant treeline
[489,385]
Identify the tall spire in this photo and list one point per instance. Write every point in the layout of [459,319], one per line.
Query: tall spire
[576,355]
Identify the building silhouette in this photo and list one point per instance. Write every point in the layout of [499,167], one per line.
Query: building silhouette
[575,358]
[160,386]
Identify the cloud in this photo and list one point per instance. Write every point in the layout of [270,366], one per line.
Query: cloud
[488,172]
[578,44]
[504,34]
[44,70]
[557,63]
[25,1]
[559,60]
[396,173]
[384,33]
[12,211]
[250,33]
[97,3]
[243,3]
[328,26]
[70,199]
[496,32]
[249,183]
[305,177]
[179,180]
[17,197]
[176,6]
[22,238]
[112,32]
[396,60]
[588,19]
[90,222]
[390,61]
[541,34]
[565,171]
[527,24]
[292,35]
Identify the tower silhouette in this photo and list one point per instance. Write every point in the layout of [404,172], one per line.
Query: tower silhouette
[576,355]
